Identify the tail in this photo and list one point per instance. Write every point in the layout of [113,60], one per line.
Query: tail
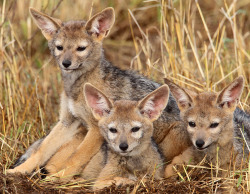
[242,119]
[242,128]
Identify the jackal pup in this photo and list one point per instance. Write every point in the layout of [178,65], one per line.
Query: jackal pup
[77,48]
[208,118]
[127,127]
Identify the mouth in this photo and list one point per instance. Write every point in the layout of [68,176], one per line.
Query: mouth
[124,153]
[67,70]
[71,69]
[201,149]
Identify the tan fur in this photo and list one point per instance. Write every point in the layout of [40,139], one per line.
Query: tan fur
[65,151]
[64,40]
[208,117]
[58,136]
[93,139]
[141,157]
[175,141]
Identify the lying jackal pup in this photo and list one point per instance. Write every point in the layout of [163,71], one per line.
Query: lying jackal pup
[127,128]
[208,117]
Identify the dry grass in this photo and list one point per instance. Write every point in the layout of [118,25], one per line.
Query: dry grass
[202,45]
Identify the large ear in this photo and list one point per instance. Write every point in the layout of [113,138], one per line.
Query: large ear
[47,24]
[100,24]
[154,103]
[100,105]
[230,95]
[183,99]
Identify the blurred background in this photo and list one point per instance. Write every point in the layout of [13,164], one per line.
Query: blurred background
[202,45]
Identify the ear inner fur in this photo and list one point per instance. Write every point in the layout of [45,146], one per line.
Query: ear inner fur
[97,101]
[183,98]
[101,23]
[47,24]
[154,103]
[230,95]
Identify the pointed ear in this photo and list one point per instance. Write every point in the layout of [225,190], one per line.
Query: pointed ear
[183,99]
[230,95]
[47,24]
[100,105]
[154,103]
[100,24]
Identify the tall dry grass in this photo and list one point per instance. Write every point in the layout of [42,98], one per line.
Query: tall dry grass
[202,45]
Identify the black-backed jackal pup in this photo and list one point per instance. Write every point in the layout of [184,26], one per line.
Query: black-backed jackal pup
[127,127]
[77,48]
[208,119]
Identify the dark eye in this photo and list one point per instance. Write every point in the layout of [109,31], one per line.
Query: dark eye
[191,124]
[214,125]
[81,48]
[60,48]
[135,129]
[113,130]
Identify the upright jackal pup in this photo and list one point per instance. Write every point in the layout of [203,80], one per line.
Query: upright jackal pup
[208,118]
[127,127]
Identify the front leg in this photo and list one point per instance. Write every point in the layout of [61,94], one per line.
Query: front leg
[57,137]
[107,175]
[175,142]
[112,173]
[85,151]
[183,158]
[66,150]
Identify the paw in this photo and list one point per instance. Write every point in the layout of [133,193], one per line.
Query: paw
[53,179]
[10,171]
[63,174]
[119,181]
[51,170]
[169,171]
[58,177]
[102,184]
[16,170]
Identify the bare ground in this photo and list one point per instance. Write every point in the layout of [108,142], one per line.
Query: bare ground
[24,184]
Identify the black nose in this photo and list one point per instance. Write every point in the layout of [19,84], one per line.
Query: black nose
[199,143]
[66,63]
[123,146]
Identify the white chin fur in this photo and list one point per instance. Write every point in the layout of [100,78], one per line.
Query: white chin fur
[67,71]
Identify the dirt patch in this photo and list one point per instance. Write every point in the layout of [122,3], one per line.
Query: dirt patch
[21,184]
[165,186]
[25,184]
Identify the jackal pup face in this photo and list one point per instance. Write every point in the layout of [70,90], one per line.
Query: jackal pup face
[75,44]
[208,115]
[127,126]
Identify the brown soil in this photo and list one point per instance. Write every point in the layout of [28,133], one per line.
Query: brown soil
[23,184]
